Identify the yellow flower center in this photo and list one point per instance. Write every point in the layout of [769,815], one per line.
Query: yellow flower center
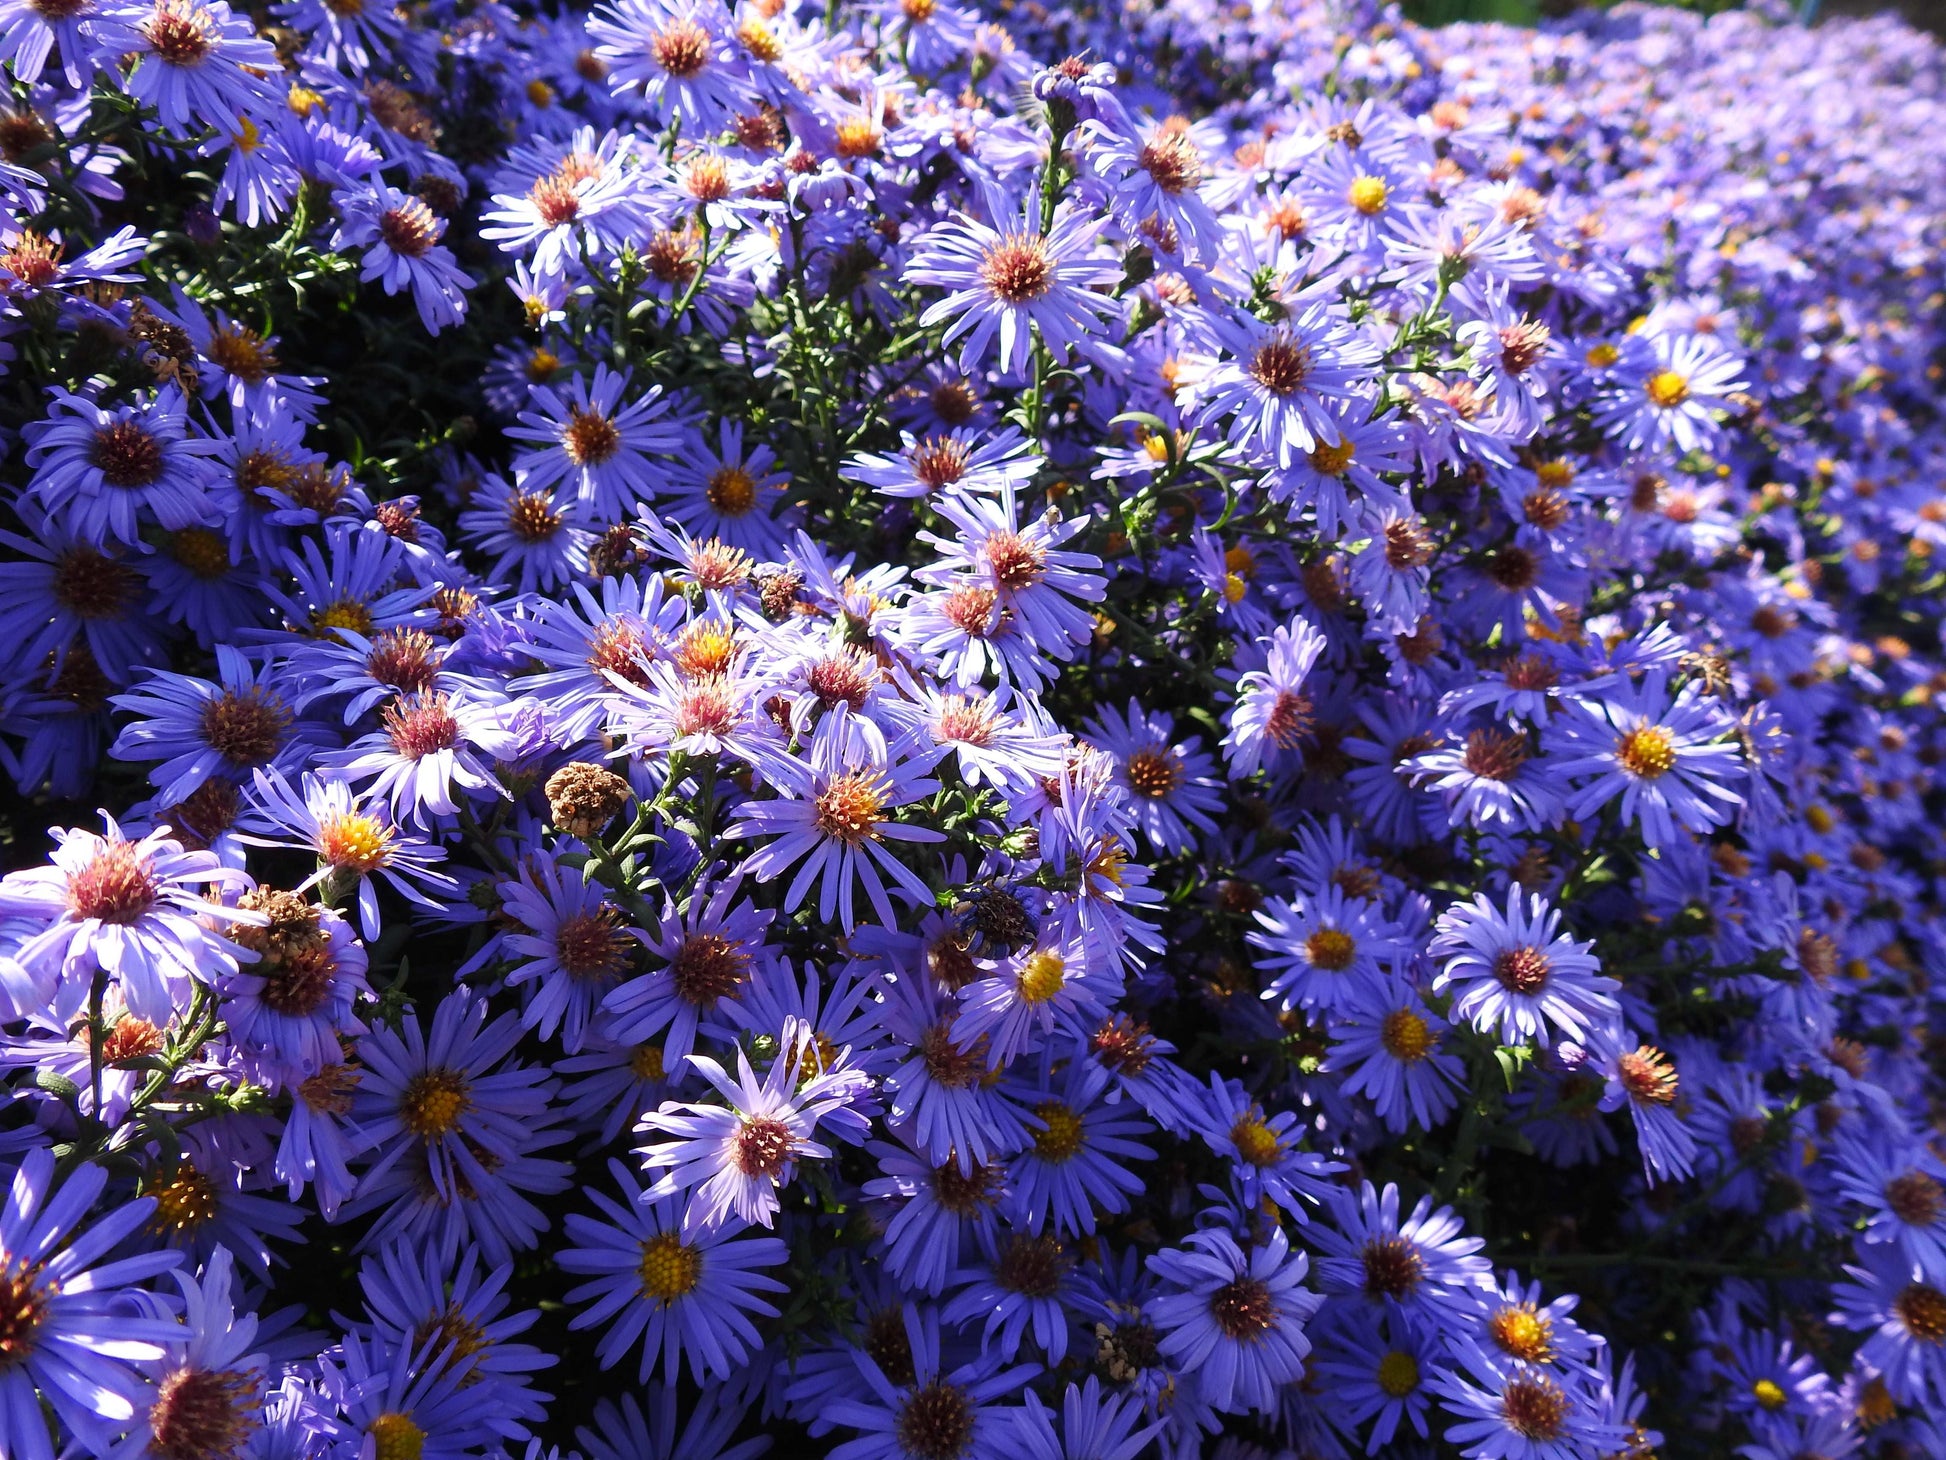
[1331,949]
[668,1269]
[1330,458]
[1062,1137]
[1648,751]
[396,1437]
[1367,194]
[1255,1141]
[1768,1393]
[1667,389]
[1043,976]
[433,1101]
[1398,1374]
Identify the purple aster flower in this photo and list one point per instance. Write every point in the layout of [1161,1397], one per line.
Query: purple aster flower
[414,1299]
[1644,1079]
[1089,1425]
[207,1396]
[941,1101]
[832,818]
[1492,778]
[572,945]
[96,470]
[355,843]
[536,541]
[1389,1051]
[671,1430]
[72,1333]
[711,948]
[588,439]
[1672,763]
[195,62]
[1518,971]
[934,1411]
[1281,386]
[1006,285]
[1325,951]
[288,1009]
[131,910]
[1019,1290]
[730,493]
[1153,174]
[1266,1161]
[29,33]
[677,1293]
[1231,1320]
[1170,784]
[1423,1264]
[198,729]
[1513,1410]
[64,595]
[961,458]
[936,1207]
[1272,714]
[1901,1185]
[1890,1298]
[678,52]
[739,1157]
[1034,582]
[431,746]
[447,1103]
[1376,1366]
[400,236]
[408,1400]
[1076,1166]
[1667,392]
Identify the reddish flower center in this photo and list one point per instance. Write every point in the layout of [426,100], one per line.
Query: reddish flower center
[127,455]
[1524,970]
[708,967]
[202,1414]
[1018,269]
[1393,1267]
[420,726]
[409,230]
[117,886]
[763,1147]
[245,729]
[682,49]
[936,1422]
[1495,755]
[1244,1309]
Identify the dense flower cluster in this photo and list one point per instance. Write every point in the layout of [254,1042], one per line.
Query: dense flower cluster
[925,733]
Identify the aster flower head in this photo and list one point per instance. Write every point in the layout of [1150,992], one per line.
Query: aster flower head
[599,446]
[400,237]
[1007,283]
[1515,972]
[357,842]
[711,950]
[1279,386]
[683,1295]
[1233,1318]
[1670,761]
[132,910]
[1272,714]
[1422,1262]
[832,823]
[71,1336]
[679,53]
[737,1158]
[195,62]
[99,470]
